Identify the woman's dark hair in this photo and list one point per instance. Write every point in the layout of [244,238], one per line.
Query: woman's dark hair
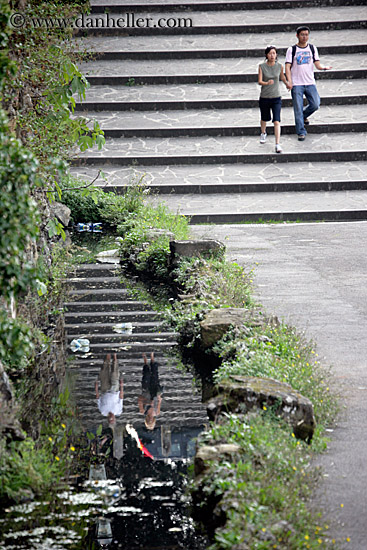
[268,49]
[302,28]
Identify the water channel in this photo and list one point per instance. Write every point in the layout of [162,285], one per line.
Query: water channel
[141,417]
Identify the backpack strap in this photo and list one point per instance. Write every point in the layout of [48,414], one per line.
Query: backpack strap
[312,48]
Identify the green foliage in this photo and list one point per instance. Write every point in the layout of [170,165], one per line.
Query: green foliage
[18,213]
[16,342]
[26,469]
[277,351]
[263,487]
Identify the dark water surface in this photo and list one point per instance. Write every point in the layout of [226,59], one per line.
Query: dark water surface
[131,491]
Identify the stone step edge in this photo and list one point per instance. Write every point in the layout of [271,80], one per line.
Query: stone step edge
[213,53]
[308,216]
[220,6]
[218,29]
[115,80]
[287,129]
[210,188]
[165,105]
[255,158]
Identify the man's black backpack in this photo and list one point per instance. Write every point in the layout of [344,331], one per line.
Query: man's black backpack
[294,47]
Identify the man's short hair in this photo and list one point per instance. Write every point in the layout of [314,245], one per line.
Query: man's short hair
[302,28]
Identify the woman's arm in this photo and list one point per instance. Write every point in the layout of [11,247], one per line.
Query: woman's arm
[262,82]
[283,78]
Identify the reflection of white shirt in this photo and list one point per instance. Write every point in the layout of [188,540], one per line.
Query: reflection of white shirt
[302,67]
[110,402]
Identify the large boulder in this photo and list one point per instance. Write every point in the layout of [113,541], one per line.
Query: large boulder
[207,453]
[218,321]
[194,249]
[240,394]
[61,212]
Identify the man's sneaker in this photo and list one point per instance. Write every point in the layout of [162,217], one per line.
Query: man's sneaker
[301,137]
[306,122]
[263,138]
[278,148]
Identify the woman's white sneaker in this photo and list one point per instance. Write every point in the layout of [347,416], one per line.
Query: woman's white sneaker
[278,148]
[263,138]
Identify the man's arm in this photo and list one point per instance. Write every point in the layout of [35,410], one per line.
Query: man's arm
[321,67]
[121,389]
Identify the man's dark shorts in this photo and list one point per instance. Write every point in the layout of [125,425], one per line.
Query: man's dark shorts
[268,104]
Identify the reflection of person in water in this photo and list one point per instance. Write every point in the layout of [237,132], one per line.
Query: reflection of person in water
[151,392]
[110,400]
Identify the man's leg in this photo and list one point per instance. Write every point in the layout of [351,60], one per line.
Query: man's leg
[313,99]
[297,99]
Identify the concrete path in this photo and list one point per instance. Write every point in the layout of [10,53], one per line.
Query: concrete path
[313,276]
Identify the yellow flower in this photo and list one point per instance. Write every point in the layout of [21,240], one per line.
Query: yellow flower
[72,448]
[319,541]
[265,409]
[57,458]
[50,438]
[348,539]
[306,537]
[293,435]
[263,529]
[342,506]
[294,468]
[63,426]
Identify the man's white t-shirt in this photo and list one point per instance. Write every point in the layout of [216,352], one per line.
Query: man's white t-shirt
[110,402]
[302,68]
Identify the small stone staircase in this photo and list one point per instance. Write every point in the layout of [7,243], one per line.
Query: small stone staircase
[151,512]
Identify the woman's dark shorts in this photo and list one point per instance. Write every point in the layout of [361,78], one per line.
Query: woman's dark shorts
[268,104]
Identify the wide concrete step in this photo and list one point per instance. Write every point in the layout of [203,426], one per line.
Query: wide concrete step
[208,96]
[139,327]
[138,347]
[91,283]
[74,307]
[224,122]
[235,208]
[96,270]
[235,178]
[118,6]
[217,150]
[99,294]
[110,316]
[123,339]
[235,21]
[203,70]
[212,46]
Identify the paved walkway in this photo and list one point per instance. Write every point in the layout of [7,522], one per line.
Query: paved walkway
[313,276]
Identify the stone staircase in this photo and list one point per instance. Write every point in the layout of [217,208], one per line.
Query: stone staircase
[180,105]
[151,511]
[98,301]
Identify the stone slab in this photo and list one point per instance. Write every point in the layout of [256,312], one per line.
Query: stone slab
[245,42]
[259,205]
[223,95]
[204,67]
[233,177]
[216,150]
